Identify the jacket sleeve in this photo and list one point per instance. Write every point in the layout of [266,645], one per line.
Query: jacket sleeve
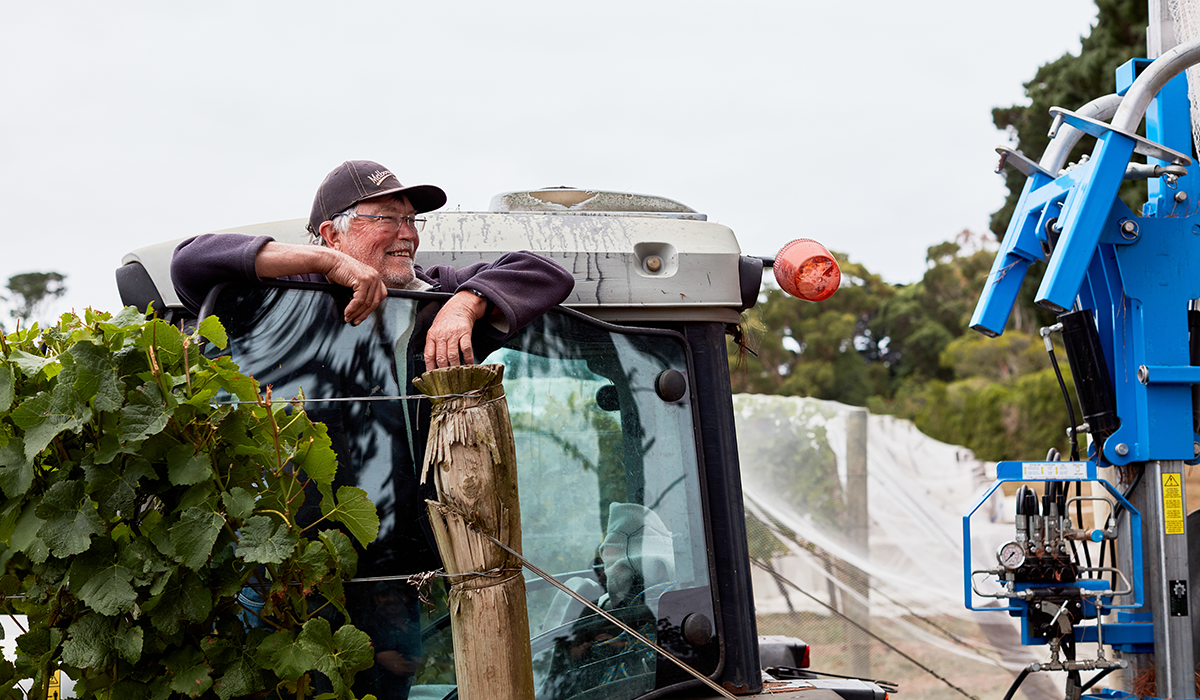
[521,285]
[202,262]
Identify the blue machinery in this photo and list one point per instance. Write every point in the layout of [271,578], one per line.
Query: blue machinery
[1123,285]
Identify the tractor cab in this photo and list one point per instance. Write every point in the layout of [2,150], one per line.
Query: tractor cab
[621,410]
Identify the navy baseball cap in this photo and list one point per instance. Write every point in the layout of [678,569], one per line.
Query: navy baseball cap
[358,180]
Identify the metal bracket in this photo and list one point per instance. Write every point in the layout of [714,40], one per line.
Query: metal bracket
[1020,161]
[1095,128]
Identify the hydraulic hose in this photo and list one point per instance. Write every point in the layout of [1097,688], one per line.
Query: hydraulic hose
[1012,689]
[1084,688]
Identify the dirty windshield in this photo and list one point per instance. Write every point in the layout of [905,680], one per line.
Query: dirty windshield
[608,479]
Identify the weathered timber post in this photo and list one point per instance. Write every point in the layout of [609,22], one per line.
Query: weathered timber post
[857,608]
[472,459]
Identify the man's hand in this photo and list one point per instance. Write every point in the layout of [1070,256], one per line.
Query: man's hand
[450,335]
[364,280]
[282,259]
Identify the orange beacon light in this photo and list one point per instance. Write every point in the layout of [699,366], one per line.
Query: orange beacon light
[805,269]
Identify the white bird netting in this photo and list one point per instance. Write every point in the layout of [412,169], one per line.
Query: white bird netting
[906,584]
[1186,16]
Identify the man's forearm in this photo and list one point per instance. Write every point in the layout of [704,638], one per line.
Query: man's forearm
[284,259]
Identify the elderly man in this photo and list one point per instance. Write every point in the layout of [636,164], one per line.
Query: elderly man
[368,226]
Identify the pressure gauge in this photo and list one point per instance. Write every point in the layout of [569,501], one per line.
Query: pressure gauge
[1011,555]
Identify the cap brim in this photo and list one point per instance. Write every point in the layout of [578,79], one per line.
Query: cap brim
[423,198]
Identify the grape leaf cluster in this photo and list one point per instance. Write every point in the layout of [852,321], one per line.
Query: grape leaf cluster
[138,499]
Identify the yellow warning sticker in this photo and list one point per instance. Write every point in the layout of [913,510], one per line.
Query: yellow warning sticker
[1172,492]
[54,687]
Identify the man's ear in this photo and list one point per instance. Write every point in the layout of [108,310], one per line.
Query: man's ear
[329,233]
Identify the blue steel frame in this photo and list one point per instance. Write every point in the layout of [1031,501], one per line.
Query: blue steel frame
[1121,634]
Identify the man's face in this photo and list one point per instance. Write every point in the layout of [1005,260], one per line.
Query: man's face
[380,243]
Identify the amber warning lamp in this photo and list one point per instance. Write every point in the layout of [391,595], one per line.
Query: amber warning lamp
[807,270]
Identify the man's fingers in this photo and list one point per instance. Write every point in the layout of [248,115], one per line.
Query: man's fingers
[448,343]
[368,287]
[435,353]
[452,355]
[366,298]
[440,353]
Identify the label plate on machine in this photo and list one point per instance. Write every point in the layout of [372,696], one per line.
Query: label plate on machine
[1172,495]
[1039,471]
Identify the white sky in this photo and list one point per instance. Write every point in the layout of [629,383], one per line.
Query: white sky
[864,125]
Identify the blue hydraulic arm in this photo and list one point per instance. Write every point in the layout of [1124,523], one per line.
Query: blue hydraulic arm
[1135,273]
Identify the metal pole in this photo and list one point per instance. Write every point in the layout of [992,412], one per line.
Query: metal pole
[1160,33]
[1166,560]
[1164,520]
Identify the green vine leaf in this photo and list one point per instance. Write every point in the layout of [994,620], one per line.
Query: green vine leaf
[49,413]
[312,566]
[341,552]
[129,640]
[103,583]
[71,519]
[283,654]
[125,318]
[239,503]
[354,650]
[115,486]
[212,329]
[233,381]
[30,365]
[240,678]
[89,642]
[194,535]
[146,563]
[338,655]
[16,470]
[25,538]
[193,681]
[97,376]
[7,387]
[166,340]
[185,599]
[186,466]
[146,414]
[354,509]
[135,511]
[266,540]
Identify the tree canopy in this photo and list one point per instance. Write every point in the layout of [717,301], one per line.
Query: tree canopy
[28,293]
[1070,82]
[906,349]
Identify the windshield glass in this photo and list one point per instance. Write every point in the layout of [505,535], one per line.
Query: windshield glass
[607,471]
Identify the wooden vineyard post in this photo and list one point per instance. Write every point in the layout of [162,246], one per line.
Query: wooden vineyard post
[472,460]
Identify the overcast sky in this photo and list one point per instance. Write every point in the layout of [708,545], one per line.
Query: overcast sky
[864,125]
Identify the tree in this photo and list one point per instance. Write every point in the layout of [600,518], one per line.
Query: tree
[29,291]
[1070,82]
[907,349]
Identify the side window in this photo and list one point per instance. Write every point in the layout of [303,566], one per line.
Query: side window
[610,504]
[608,475]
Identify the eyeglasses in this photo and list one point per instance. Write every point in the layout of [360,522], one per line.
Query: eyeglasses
[415,223]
